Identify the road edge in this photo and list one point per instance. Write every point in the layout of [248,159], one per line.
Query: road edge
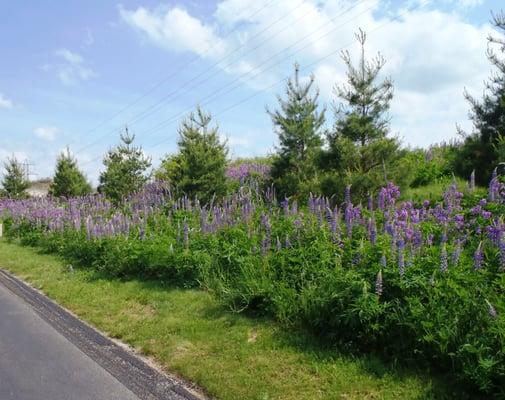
[142,379]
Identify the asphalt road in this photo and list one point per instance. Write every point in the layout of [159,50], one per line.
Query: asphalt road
[46,353]
[38,363]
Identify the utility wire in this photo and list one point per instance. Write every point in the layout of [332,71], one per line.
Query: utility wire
[197,57]
[239,79]
[307,66]
[208,99]
[167,122]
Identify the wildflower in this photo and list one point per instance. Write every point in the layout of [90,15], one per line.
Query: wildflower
[349,219]
[501,248]
[456,253]
[285,206]
[347,195]
[471,183]
[378,283]
[278,244]
[287,243]
[372,231]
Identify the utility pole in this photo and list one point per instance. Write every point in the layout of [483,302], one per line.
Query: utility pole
[26,166]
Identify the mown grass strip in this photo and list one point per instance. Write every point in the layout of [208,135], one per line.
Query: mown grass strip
[230,356]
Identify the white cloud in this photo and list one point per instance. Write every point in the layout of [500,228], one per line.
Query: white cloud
[431,55]
[5,102]
[468,3]
[71,69]
[175,29]
[47,133]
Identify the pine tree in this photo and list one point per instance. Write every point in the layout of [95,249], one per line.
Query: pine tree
[362,113]
[298,125]
[125,169]
[14,182]
[360,152]
[68,180]
[198,169]
[483,148]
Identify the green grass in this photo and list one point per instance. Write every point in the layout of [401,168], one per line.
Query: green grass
[435,191]
[230,356]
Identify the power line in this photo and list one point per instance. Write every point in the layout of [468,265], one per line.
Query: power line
[284,79]
[301,69]
[239,78]
[217,94]
[197,57]
[170,76]
[165,79]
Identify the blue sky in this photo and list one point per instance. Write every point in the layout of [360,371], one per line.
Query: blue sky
[70,70]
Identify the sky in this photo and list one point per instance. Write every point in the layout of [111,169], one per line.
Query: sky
[75,73]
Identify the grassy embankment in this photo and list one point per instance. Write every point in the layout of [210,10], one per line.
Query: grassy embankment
[230,356]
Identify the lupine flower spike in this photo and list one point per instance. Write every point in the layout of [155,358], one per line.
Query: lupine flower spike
[378,283]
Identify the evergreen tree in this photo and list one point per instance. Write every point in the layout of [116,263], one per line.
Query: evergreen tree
[482,150]
[125,169]
[68,181]
[298,125]
[360,153]
[14,182]
[198,169]
[362,113]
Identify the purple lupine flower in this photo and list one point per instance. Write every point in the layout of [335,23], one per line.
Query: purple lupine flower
[380,201]
[370,203]
[456,253]
[285,206]
[372,231]
[378,283]
[495,231]
[349,219]
[443,259]
[388,195]
[287,243]
[491,310]
[478,257]
[417,239]
[501,248]
[410,259]
[459,221]
[347,195]
[429,239]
